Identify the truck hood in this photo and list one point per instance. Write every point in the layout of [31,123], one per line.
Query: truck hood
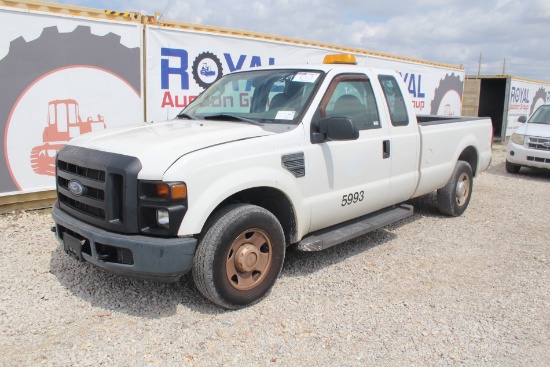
[159,145]
[530,129]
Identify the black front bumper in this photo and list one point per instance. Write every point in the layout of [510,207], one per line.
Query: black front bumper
[136,256]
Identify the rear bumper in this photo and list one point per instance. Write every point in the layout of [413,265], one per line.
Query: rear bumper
[136,256]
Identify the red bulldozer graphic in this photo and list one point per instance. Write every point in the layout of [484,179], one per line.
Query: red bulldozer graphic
[64,123]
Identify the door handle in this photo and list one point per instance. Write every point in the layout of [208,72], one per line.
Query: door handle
[385,149]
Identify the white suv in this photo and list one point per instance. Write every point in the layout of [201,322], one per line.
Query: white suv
[529,145]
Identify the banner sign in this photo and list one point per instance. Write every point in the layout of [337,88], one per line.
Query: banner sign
[525,98]
[61,77]
[433,90]
[182,63]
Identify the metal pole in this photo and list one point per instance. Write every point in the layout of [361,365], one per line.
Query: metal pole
[479,66]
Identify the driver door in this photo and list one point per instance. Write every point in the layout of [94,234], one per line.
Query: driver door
[350,178]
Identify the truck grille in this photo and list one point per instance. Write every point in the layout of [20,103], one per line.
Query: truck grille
[91,186]
[93,182]
[539,143]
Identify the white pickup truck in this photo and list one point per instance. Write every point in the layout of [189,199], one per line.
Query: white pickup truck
[309,155]
[529,145]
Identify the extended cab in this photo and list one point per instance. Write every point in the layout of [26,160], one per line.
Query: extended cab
[529,145]
[309,155]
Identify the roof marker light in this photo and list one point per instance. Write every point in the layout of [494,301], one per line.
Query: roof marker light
[340,59]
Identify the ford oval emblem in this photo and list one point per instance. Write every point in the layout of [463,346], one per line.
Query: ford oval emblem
[76,188]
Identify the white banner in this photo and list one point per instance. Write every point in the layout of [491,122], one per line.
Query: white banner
[181,63]
[61,77]
[525,98]
[433,90]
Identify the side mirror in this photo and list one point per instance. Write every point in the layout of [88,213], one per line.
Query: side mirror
[338,128]
[522,119]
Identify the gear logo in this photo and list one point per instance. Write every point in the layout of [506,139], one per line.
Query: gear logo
[538,99]
[447,94]
[93,65]
[207,69]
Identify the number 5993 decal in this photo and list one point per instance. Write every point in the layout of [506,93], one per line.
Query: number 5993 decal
[353,198]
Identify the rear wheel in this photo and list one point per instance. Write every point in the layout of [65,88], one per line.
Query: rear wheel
[512,168]
[453,199]
[240,256]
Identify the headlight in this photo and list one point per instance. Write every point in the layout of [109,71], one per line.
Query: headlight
[162,206]
[163,190]
[518,139]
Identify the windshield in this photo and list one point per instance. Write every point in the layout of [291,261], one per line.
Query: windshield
[541,115]
[256,96]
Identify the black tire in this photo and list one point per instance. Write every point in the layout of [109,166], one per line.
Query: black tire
[453,199]
[28,61]
[256,236]
[512,168]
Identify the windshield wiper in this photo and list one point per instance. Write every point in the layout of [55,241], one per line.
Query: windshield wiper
[183,115]
[225,116]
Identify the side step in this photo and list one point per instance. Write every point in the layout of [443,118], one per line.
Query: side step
[343,232]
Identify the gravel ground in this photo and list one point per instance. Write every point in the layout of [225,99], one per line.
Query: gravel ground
[430,290]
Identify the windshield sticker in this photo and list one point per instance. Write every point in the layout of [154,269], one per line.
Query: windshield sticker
[285,115]
[306,77]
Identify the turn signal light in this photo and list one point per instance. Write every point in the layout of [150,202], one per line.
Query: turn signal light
[178,191]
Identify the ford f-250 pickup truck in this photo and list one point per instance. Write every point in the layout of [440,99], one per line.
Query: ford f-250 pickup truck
[309,155]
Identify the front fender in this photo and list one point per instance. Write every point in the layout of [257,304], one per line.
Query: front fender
[215,174]
[204,199]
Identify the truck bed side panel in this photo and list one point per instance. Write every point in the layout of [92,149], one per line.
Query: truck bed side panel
[442,143]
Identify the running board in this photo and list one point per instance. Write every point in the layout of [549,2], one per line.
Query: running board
[343,232]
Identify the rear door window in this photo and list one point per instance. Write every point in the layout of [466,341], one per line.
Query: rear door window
[394,100]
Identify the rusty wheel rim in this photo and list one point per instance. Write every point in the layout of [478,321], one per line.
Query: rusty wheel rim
[249,259]
[462,189]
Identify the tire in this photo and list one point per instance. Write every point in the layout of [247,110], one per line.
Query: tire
[239,231]
[453,199]
[512,168]
[28,61]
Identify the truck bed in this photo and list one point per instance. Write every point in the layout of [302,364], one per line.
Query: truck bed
[425,120]
[437,134]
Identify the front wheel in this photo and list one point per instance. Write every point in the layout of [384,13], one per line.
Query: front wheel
[453,199]
[240,256]
[512,168]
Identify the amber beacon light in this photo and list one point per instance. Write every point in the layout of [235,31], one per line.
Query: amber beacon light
[340,59]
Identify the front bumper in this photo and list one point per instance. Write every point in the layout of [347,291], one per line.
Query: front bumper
[136,256]
[523,156]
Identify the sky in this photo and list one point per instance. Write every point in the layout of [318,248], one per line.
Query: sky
[511,36]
